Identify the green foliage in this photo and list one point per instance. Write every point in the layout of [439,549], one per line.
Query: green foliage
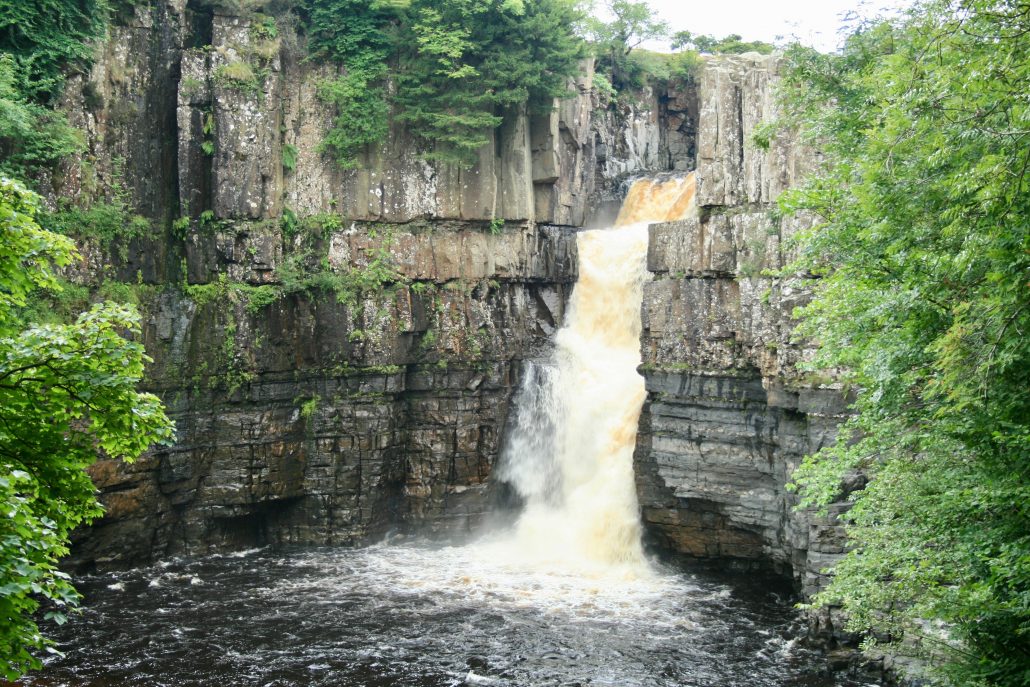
[685,65]
[263,28]
[644,66]
[181,227]
[47,38]
[39,43]
[234,370]
[67,394]
[237,72]
[362,113]
[62,304]
[29,256]
[924,301]
[289,223]
[260,297]
[207,129]
[226,291]
[455,66]
[309,407]
[730,45]
[237,75]
[477,60]
[307,270]
[763,134]
[301,273]
[31,136]
[109,223]
[362,45]
[628,24]
[616,44]
[290,156]
[604,87]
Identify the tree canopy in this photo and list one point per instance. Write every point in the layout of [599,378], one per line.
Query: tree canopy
[923,249]
[732,44]
[67,394]
[452,67]
[614,37]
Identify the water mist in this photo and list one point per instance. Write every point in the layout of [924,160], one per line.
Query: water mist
[569,454]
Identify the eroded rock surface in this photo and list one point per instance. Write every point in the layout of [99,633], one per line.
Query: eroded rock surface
[311,412]
[330,416]
[728,415]
[325,419]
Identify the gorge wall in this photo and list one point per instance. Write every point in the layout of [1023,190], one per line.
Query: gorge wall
[367,394]
[728,414]
[339,347]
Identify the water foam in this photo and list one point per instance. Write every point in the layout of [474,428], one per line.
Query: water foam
[569,454]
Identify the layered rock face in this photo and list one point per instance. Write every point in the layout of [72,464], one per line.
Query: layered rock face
[338,347]
[655,130]
[324,419]
[197,111]
[375,398]
[728,416]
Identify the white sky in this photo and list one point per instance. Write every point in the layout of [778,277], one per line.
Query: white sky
[813,22]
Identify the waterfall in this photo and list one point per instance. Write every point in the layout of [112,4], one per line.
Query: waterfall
[569,453]
[658,200]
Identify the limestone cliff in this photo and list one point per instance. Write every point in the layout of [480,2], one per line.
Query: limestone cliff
[728,415]
[326,415]
[311,414]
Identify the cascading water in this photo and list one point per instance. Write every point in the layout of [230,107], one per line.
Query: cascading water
[567,598]
[658,200]
[569,454]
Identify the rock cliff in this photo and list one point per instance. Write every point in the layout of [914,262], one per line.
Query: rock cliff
[728,415]
[321,419]
[339,347]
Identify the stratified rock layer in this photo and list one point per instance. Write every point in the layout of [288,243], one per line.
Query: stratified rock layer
[369,401]
[324,419]
[728,416]
[329,416]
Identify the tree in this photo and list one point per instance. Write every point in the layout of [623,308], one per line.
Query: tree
[67,394]
[924,302]
[615,37]
[362,45]
[477,61]
[455,67]
[730,45]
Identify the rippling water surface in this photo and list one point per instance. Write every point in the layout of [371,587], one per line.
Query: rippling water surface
[419,615]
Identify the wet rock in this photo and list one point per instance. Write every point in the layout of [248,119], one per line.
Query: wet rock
[728,415]
[321,420]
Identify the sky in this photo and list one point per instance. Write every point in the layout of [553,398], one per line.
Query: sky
[813,22]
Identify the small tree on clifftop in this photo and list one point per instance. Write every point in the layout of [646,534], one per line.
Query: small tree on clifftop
[630,24]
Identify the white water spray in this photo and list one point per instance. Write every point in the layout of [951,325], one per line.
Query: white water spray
[570,452]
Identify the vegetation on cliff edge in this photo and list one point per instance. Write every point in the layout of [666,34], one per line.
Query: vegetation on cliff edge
[40,43]
[923,247]
[450,70]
